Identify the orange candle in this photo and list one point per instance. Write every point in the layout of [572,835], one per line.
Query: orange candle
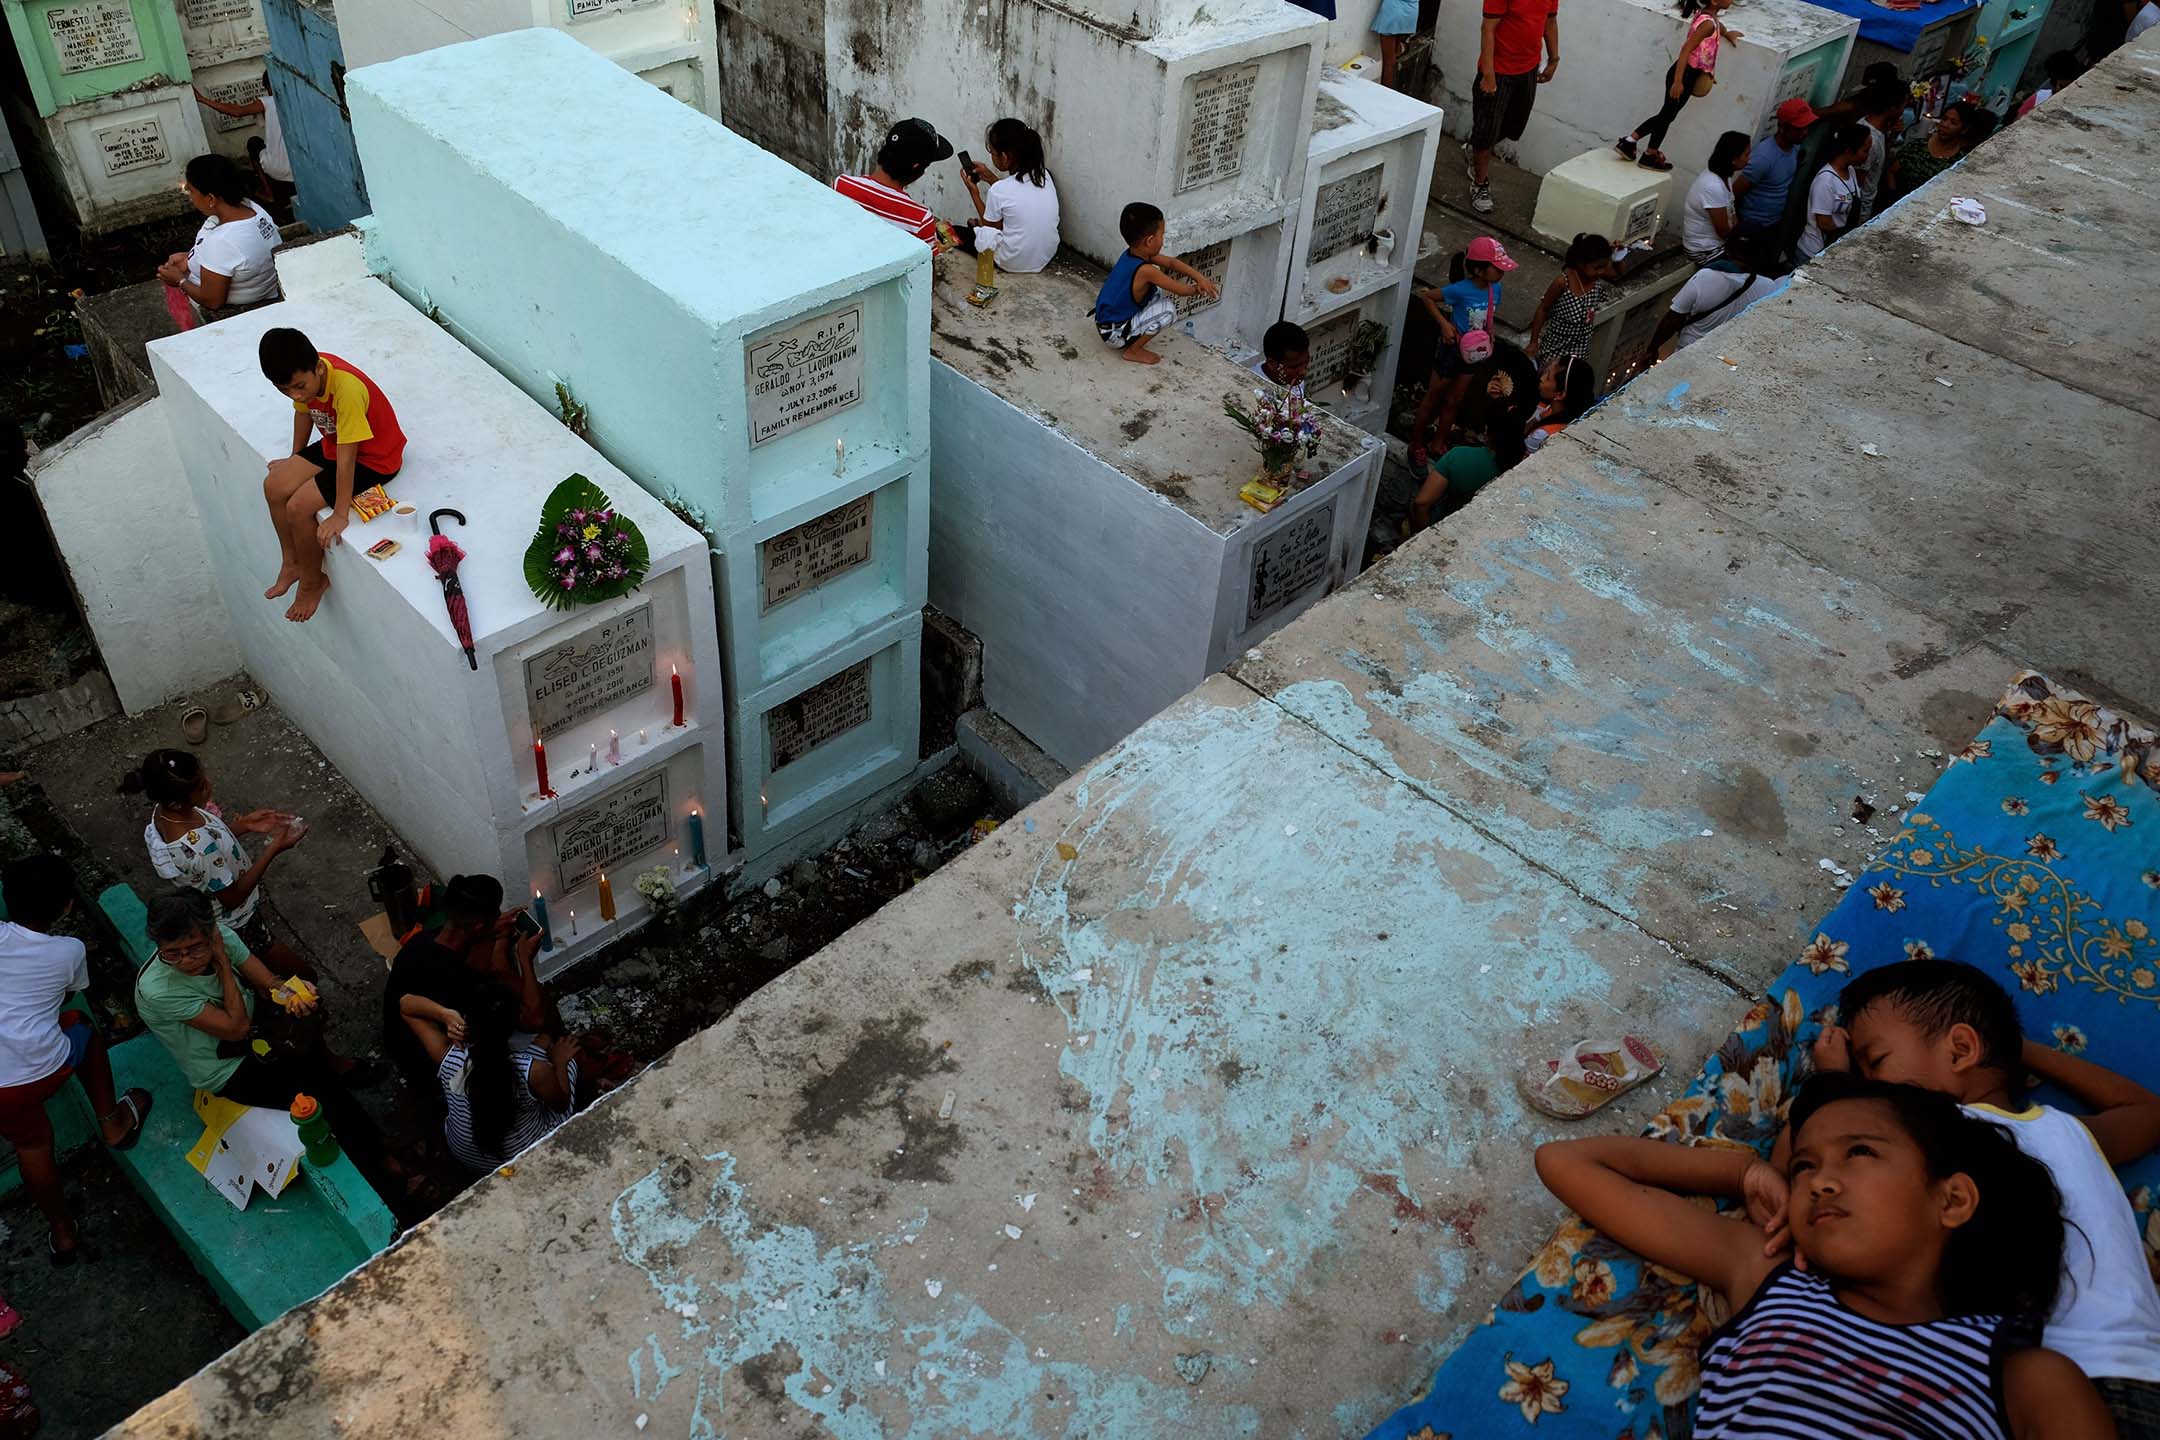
[607,898]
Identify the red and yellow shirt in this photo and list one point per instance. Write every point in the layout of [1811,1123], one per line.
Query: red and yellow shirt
[350,410]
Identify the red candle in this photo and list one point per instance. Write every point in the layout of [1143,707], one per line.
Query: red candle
[675,679]
[540,765]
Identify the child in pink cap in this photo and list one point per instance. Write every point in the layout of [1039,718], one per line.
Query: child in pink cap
[1465,309]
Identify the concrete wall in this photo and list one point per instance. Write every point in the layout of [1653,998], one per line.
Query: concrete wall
[307,70]
[124,521]
[1612,53]
[376,679]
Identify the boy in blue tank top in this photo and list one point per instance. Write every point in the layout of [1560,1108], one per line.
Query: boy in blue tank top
[1135,301]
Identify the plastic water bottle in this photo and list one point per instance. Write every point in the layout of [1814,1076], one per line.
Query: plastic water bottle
[314,1127]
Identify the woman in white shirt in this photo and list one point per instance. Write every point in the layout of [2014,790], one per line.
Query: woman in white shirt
[1708,215]
[1018,217]
[228,268]
[1835,189]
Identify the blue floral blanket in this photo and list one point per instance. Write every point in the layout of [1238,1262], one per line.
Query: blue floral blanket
[2036,856]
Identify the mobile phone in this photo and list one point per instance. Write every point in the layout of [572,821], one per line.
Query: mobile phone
[967,164]
[525,924]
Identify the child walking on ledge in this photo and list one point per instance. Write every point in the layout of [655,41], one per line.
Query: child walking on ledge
[1135,301]
[360,446]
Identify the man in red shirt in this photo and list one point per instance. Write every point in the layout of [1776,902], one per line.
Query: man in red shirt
[910,148]
[1509,43]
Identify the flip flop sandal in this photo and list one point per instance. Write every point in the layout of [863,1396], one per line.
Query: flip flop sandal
[228,712]
[10,1318]
[137,1103]
[1590,1074]
[82,1249]
[195,724]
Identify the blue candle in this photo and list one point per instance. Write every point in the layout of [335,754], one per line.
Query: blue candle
[547,936]
[697,839]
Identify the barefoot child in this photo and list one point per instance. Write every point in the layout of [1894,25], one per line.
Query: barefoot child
[1929,1238]
[1135,301]
[1950,1028]
[361,445]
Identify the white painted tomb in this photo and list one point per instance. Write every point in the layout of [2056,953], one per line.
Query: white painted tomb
[1085,519]
[1368,169]
[377,680]
[1600,192]
[746,342]
[1613,56]
[670,45]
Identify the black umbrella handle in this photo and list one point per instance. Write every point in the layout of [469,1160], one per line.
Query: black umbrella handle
[435,515]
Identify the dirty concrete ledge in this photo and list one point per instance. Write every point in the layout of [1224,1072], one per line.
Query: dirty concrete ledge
[1184,1104]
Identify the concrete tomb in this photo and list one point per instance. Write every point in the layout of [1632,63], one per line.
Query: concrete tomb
[1614,54]
[1352,262]
[451,755]
[1085,518]
[744,343]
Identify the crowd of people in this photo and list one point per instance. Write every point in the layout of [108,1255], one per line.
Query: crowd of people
[487,1065]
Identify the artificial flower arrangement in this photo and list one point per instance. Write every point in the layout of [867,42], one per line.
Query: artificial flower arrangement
[658,888]
[1281,423]
[584,551]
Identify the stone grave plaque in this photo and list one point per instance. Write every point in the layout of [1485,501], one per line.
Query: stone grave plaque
[602,833]
[1212,261]
[1343,214]
[591,672]
[132,145]
[827,709]
[588,9]
[237,92]
[804,374]
[92,36]
[1218,112]
[1288,563]
[202,14]
[816,551]
[1331,350]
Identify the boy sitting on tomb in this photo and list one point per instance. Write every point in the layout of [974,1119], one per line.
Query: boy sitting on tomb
[361,446]
[1135,302]
[1285,355]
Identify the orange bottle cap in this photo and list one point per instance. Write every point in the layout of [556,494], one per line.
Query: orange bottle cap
[304,1107]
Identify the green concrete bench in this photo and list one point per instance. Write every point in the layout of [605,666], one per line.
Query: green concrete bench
[271,1256]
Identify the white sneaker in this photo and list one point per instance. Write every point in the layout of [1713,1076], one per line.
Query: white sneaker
[1481,198]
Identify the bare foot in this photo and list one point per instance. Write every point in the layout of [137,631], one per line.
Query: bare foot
[284,582]
[1139,356]
[305,603]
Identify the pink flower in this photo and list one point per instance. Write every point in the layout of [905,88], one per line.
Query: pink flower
[592,552]
[564,556]
[569,579]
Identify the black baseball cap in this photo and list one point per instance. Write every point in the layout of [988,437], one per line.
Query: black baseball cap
[918,140]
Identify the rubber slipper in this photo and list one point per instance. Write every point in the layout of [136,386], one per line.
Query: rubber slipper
[10,1317]
[195,724]
[1590,1074]
[137,1102]
[82,1249]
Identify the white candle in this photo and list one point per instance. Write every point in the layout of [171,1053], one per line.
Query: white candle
[839,455]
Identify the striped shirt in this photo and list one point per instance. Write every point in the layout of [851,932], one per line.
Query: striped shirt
[889,204]
[1794,1364]
[530,1120]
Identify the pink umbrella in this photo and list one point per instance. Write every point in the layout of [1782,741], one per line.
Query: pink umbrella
[443,555]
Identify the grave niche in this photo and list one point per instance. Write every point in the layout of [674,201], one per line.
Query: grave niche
[93,36]
[1290,562]
[1218,113]
[623,824]
[799,560]
[824,712]
[590,673]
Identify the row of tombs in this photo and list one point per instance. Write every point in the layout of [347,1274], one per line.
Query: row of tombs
[761,376]
[759,389]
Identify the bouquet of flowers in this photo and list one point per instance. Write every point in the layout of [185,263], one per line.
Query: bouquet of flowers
[1281,422]
[658,888]
[584,552]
